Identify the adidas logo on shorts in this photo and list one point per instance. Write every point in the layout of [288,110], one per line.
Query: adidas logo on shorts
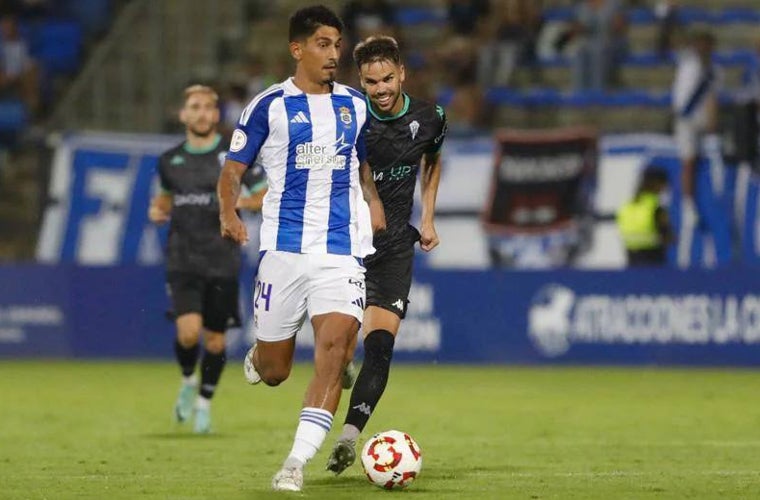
[358,302]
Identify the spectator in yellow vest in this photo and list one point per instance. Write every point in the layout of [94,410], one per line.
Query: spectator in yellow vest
[644,223]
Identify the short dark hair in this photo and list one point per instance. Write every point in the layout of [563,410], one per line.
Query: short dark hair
[377,48]
[304,22]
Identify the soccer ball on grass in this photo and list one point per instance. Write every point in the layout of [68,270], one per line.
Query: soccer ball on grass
[391,459]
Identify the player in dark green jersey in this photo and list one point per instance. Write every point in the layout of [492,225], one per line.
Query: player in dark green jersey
[202,266]
[404,137]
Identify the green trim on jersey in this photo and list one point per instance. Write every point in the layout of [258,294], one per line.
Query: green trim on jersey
[401,113]
[201,151]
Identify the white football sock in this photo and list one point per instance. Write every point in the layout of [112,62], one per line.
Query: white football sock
[313,427]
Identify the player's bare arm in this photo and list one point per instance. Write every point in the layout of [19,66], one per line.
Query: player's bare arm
[376,210]
[430,177]
[253,202]
[160,208]
[228,192]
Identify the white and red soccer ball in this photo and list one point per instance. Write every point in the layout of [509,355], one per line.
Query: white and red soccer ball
[391,459]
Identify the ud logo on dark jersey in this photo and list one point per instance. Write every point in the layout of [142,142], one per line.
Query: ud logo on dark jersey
[414,127]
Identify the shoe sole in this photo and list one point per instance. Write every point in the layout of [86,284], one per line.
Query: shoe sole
[344,457]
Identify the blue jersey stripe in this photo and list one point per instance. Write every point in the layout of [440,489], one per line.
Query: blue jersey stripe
[338,232]
[290,230]
[698,95]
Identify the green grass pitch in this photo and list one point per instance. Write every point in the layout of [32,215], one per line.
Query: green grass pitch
[104,430]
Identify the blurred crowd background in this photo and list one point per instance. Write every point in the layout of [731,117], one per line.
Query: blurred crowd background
[120,65]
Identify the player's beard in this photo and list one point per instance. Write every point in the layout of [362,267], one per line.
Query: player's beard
[330,78]
[202,132]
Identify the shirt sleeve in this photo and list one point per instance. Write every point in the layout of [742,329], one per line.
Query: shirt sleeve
[443,126]
[163,180]
[251,132]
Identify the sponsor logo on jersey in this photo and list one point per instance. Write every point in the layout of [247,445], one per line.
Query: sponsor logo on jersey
[311,155]
[193,199]
[414,127]
[399,304]
[238,141]
[345,115]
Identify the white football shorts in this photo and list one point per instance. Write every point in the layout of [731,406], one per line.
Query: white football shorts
[687,135]
[289,286]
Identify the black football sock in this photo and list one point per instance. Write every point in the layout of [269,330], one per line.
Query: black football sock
[211,370]
[372,379]
[187,357]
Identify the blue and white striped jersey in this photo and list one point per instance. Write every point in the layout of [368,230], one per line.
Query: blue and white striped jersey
[311,146]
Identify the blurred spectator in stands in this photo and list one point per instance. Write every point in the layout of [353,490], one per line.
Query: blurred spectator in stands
[695,110]
[260,76]
[512,32]
[364,18]
[465,17]
[457,63]
[35,9]
[644,223]
[18,71]
[233,102]
[667,26]
[600,31]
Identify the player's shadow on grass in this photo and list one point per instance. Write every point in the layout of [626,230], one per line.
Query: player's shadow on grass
[353,482]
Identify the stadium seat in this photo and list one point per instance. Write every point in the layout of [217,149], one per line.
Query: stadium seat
[13,116]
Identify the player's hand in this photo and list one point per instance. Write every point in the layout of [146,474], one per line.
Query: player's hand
[377,216]
[156,215]
[233,228]
[428,238]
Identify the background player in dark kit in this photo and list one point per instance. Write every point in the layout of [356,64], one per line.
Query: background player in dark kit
[405,135]
[202,267]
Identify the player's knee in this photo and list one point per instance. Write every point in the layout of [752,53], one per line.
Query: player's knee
[334,349]
[274,376]
[214,343]
[273,372]
[187,339]
[379,344]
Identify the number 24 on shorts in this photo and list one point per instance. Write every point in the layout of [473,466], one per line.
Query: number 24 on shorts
[263,291]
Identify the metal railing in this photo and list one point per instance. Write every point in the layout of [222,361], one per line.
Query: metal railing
[133,77]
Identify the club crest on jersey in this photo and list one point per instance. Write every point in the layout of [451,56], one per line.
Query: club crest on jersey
[345,115]
[221,156]
[414,127]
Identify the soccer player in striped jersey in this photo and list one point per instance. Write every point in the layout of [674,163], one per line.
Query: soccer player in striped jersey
[404,137]
[319,214]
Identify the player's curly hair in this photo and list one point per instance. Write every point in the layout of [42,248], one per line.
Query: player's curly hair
[377,48]
[304,22]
